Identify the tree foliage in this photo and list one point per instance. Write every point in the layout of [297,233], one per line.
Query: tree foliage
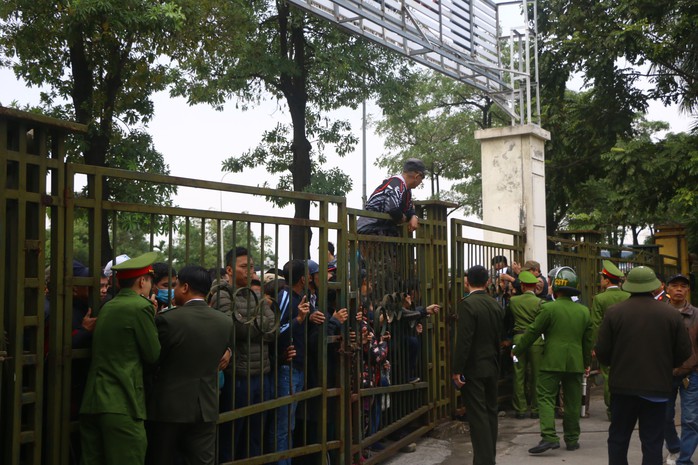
[99,61]
[615,43]
[618,47]
[189,248]
[309,65]
[636,185]
[429,116]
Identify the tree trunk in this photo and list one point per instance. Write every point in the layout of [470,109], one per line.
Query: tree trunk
[293,86]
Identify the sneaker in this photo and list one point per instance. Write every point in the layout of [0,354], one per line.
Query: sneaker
[672,458]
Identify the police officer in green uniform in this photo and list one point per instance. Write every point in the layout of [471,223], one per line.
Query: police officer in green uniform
[523,309]
[567,355]
[125,339]
[611,294]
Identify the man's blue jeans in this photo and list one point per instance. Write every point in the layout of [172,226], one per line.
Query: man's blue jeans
[689,419]
[289,383]
[248,430]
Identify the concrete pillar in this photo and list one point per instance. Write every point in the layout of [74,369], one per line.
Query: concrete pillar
[513,184]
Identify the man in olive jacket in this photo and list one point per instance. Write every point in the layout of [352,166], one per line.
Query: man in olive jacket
[125,339]
[610,278]
[183,402]
[567,329]
[523,309]
[475,363]
[643,340]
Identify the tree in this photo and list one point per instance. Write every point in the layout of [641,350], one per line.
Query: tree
[310,65]
[634,185]
[617,46]
[188,244]
[433,117]
[617,43]
[100,60]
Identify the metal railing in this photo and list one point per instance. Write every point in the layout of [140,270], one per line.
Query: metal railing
[350,400]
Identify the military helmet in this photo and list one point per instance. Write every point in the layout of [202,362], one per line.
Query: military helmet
[565,280]
[641,279]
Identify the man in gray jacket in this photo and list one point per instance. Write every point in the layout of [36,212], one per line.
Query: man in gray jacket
[254,325]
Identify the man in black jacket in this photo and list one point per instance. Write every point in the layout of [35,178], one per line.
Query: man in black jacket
[183,404]
[644,340]
[475,363]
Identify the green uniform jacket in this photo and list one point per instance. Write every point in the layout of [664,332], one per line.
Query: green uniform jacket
[601,302]
[567,329]
[524,308]
[194,337]
[480,321]
[125,338]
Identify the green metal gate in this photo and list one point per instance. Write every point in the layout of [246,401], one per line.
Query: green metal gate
[34,358]
[53,212]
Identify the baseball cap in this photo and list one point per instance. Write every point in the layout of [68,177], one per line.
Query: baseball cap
[679,277]
[414,165]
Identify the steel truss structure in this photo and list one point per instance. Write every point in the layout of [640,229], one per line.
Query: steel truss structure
[460,38]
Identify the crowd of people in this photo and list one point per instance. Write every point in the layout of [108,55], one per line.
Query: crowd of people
[174,353]
[172,350]
[641,329]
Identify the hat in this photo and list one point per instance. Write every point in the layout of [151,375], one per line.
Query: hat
[640,280]
[678,277]
[416,165]
[80,270]
[136,267]
[611,271]
[526,277]
[530,265]
[119,260]
[269,277]
[313,267]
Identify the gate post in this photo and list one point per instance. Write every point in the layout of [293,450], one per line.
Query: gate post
[513,184]
[435,353]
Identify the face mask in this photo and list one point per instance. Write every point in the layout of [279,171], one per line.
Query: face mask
[165,296]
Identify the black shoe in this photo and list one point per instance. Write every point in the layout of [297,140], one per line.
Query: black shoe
[534,416]
[543,446]
[574,446]
[520,416]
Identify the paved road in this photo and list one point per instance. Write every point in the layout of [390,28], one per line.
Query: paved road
[449,444]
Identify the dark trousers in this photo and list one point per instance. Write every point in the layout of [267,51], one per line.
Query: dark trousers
[626,411]
[480,397]
[191,443]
